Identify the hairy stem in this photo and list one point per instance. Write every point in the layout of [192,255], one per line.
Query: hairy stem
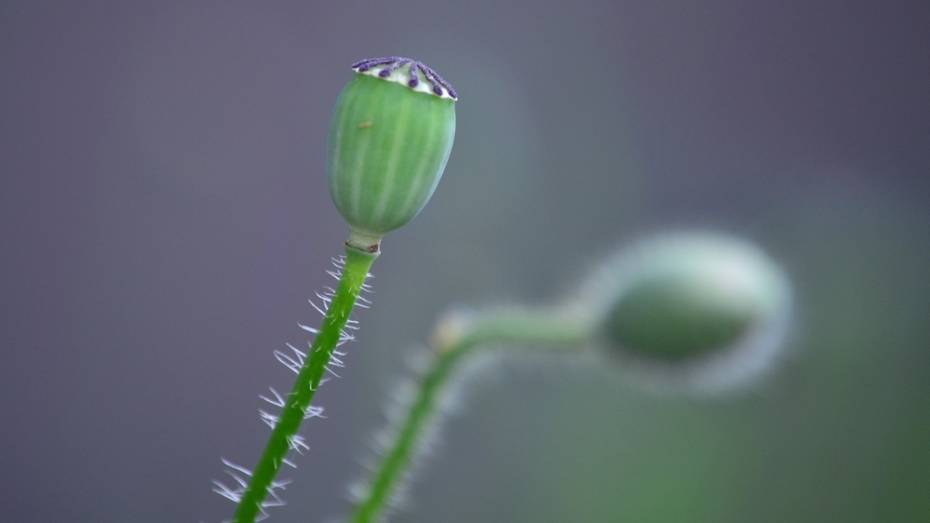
[308,380]
[452,345]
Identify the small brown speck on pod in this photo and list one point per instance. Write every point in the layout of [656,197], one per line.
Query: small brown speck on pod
[366,124]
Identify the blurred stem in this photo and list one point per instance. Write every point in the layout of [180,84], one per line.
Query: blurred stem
[453,342]
[308,380]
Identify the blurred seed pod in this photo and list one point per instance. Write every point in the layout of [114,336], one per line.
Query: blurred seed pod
[391,135]
[691,310]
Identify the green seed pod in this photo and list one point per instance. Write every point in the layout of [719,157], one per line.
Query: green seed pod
[391,135]
[703,309]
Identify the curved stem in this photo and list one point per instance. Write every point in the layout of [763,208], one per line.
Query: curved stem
[453,343]
[308,380]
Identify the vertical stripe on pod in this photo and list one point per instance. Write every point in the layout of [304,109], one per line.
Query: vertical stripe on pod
[421,171]
[425,182]
[399,149]
[383,148]
[335,159]
[363,112]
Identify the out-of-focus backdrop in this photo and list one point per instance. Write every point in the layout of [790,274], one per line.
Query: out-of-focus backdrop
[164,216]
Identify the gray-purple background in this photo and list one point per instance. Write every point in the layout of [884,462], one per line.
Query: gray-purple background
[164,216]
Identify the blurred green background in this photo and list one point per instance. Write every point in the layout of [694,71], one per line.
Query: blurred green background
[166,216]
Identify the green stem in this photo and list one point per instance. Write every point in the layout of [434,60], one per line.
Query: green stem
[308,380]
[537,328]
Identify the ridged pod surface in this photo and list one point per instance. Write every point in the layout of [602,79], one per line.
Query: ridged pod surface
[391,135]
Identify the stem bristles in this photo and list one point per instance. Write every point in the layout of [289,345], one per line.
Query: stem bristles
[257,490]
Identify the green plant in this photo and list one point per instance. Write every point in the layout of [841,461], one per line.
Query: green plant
[696,311]
[392,132]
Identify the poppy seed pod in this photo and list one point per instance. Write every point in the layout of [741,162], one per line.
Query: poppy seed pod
[390,139]
[708,308]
